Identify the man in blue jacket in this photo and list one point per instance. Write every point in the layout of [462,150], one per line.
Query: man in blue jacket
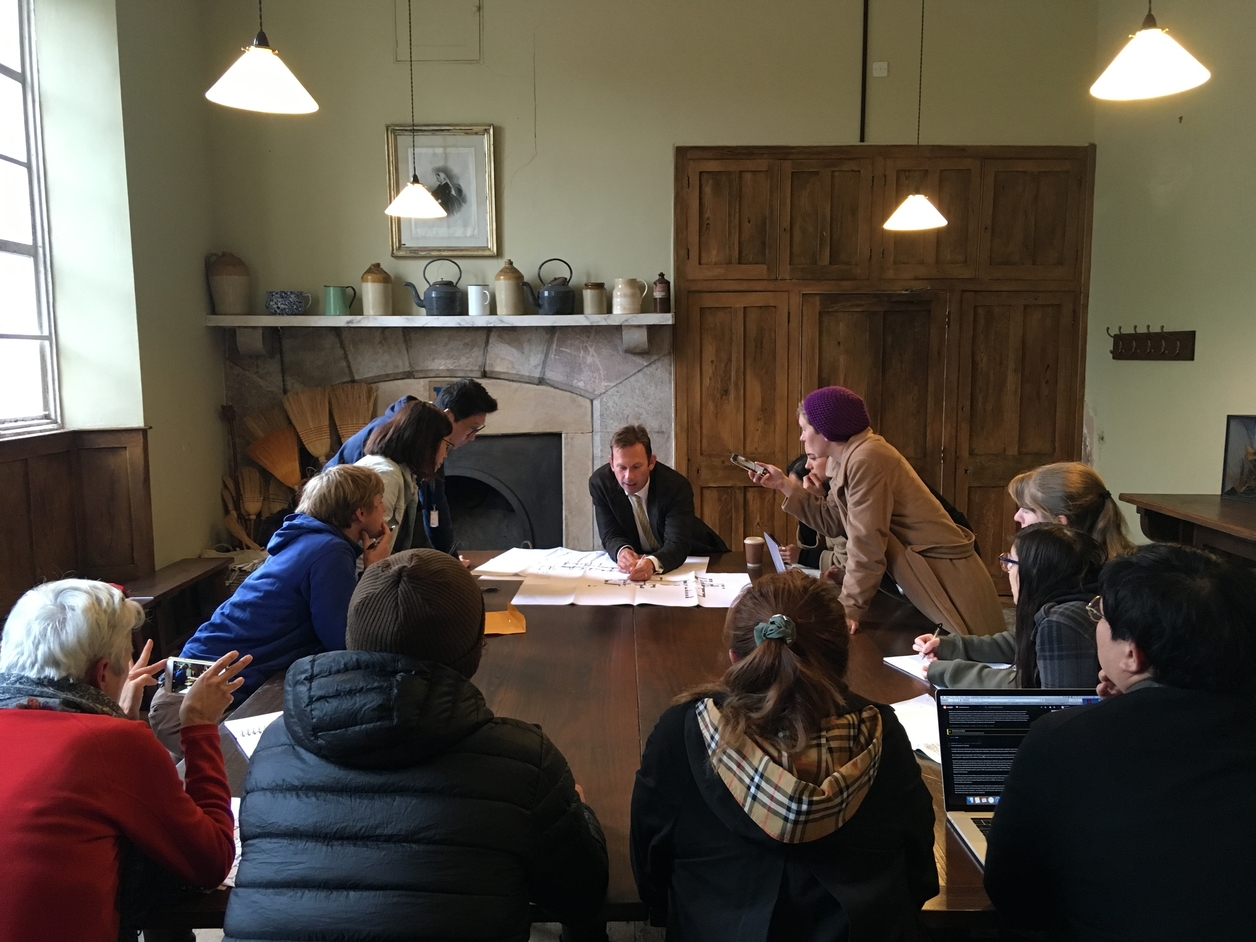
[467,404]
[297,601]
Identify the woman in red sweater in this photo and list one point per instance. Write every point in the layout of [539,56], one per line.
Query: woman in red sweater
[81,774]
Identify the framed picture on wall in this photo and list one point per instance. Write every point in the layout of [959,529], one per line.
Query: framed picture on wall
[455,162]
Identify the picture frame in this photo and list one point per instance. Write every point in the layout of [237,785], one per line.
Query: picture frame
[455,162]
[1238,476]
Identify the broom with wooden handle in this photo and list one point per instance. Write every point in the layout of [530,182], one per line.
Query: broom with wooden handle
[352,406]
[279,453]
[232,523]
[278,497]
[310,413]
[261,423]
[252,494]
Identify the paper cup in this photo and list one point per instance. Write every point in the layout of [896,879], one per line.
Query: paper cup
[754,550]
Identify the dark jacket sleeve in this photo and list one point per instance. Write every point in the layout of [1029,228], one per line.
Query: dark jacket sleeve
[432,498]
[1017,852]
[678,523]
[656,799]
[916,804]
[613,537]
[569,870]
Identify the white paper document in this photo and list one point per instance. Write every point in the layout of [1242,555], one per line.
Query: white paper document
[913,664]
[721,589]
[563,563]
[545,590]
[919,717]
[513,562]
[249,730]
[692,591]
[235,864]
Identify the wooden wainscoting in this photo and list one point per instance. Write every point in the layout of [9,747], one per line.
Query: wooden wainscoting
[74,503]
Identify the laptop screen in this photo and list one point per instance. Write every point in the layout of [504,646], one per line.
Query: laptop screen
[981,731]
[774,549]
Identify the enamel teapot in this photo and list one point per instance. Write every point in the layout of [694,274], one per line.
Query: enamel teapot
[442,298]
[557,296]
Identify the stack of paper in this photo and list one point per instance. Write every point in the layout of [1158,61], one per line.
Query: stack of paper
[693,590]
[919,717]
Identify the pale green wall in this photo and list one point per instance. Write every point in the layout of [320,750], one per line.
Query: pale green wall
[1174,245]
[613,87]
[88,221]
[168,169]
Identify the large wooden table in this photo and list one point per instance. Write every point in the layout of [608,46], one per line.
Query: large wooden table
[1203,520]
[597,679]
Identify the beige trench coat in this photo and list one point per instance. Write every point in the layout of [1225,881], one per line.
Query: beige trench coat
[891,521]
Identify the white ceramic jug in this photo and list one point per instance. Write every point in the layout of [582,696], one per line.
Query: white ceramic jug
[626,298]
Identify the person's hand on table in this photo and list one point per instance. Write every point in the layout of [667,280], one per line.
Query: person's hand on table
[210,694]
[789,553]
[926,645]
[466,563]
[375,549]
[835,575]
[1105,687]
[139,677]
[627,559]
[643,570]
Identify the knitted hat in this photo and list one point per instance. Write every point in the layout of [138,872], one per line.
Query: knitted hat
[836,413]
[421,603]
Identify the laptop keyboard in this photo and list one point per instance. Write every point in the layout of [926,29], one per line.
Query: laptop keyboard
[983,824]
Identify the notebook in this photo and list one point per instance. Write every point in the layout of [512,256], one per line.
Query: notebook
[774,549]
[980,732]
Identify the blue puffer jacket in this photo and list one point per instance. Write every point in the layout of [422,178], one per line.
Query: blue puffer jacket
[292,605]
[391,804]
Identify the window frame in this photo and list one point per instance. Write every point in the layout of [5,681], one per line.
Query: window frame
[38,250]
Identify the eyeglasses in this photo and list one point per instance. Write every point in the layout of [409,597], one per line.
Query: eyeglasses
[1007,562]
[449,443]
[1094,608]
[478,429]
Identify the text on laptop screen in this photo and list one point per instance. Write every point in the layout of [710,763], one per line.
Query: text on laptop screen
[980,734]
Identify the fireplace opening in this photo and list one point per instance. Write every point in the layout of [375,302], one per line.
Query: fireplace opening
[507,490]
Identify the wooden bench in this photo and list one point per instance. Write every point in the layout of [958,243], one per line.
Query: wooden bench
[177,599]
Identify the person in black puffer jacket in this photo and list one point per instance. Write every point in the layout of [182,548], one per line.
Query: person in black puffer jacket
[392,803]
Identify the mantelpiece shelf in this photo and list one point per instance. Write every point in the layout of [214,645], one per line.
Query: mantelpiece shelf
[526,320]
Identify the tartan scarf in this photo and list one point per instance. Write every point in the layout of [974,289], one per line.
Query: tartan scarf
[807,797]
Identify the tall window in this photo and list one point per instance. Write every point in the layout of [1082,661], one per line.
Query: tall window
[28,373]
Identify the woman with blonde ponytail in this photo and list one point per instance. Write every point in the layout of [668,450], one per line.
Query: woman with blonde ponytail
[776,803]
[1073,494]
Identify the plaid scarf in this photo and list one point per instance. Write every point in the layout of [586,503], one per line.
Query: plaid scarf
[810,796]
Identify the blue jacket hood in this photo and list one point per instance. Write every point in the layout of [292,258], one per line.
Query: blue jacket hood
[297,526]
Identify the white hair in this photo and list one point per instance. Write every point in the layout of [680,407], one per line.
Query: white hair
[59,629]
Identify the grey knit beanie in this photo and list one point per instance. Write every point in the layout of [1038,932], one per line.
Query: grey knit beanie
[421,603]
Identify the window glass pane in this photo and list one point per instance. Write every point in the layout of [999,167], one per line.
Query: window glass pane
[18,314]
[10,44]
[22,379]
[12,120]
[15,203]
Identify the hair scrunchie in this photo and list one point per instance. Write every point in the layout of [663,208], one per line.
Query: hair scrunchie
[778,626]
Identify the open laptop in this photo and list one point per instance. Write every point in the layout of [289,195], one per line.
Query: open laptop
[980,731]
[774,550]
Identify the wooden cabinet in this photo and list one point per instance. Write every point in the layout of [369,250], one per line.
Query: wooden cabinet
[1031,216]
[1017,401]
[732,218]
[892,351]
[967,341]
[953,185]
[826,219]
[738,402]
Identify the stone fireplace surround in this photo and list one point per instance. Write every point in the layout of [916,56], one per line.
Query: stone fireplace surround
[575,381]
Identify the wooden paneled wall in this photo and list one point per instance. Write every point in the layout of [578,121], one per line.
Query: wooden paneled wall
[967,341]
[74,503]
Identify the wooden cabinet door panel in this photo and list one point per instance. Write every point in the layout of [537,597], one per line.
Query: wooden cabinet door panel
[1031,212]
[826,224]
[953,185]
[732,213]
[893,353]
[1017,388]
[739,401]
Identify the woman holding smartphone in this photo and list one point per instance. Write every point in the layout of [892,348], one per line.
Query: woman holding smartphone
[890,520]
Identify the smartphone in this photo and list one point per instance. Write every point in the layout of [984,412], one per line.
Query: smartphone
[181,673]
[743,462]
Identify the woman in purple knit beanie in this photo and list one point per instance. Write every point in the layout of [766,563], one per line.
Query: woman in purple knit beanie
[890,520]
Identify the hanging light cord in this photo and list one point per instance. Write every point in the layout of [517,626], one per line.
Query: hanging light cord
[259,17]
[920,73]
[414,175]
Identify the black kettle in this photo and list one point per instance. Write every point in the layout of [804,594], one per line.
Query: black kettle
[558,296]
[442,298]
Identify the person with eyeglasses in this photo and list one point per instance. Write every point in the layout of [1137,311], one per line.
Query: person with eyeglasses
[1052,570]
[1132,818]
[407,451]
[467,405]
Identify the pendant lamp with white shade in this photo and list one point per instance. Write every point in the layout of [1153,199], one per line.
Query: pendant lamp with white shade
[415,201]
[916,213]
[1151,65]
[259,81]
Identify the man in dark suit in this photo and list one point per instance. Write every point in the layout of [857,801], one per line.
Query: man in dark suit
[1133,818]
[645,509]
